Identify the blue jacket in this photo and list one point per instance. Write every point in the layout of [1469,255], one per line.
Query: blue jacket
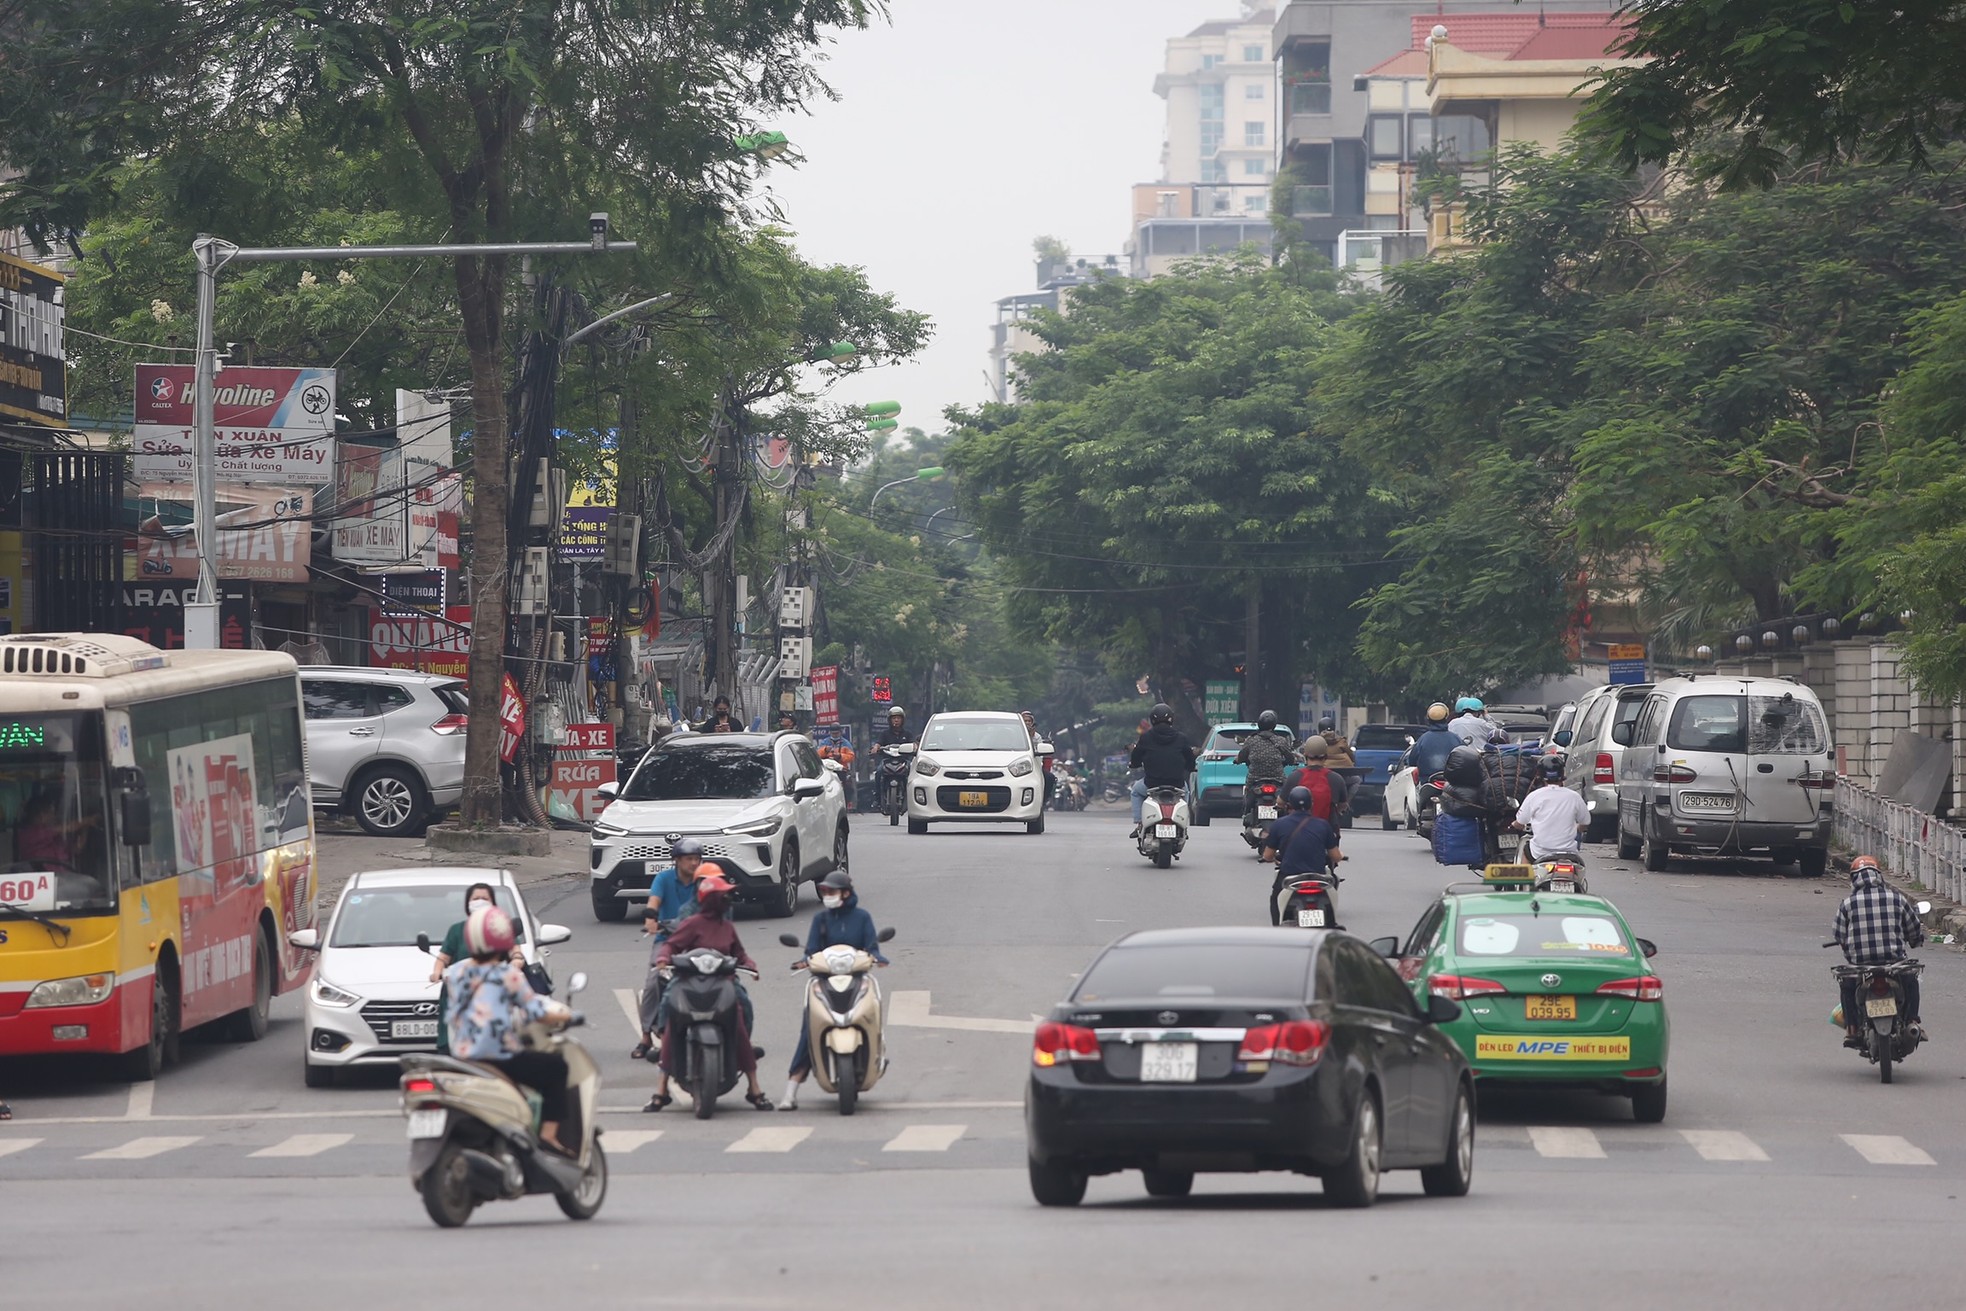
[1429,751]
[849,926]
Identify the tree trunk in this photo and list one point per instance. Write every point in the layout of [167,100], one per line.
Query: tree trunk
[481,298]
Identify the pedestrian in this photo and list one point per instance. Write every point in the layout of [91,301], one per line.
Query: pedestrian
[787,722]
[720,720]
[672,899]
[478,894]
[840,923]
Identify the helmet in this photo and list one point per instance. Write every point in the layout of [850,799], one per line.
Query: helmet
[1864,863]
[1550,767]
[838,881]
[1267,720]
[1300,798]
[686,847]
[1327,725]
[1468,705]
[1437,713]
[489,932]
[1499,738]
[896,712]
[1316,748]
[1162,713]
[713,893]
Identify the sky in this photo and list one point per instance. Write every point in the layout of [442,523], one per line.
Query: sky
[961,132]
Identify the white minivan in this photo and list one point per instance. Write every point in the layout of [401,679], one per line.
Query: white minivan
[1727,765]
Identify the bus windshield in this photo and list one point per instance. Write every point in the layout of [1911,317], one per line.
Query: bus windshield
[54,847]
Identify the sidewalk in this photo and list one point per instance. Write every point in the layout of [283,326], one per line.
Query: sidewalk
[345,852]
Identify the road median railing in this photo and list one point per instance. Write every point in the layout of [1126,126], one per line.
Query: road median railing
[1910,842]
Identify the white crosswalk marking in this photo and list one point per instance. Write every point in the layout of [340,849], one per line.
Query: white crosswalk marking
[631,1006]
[926,1138]
[306,1144]
[1886,1149]
[1723,1145]
[1574,1144]
[11,1145]
[770,1140]
[140,1149]
[620,1142]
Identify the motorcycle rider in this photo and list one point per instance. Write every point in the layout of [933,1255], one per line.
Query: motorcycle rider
[1470,724]
[1555,818]
[1267,753]
[1044,762]
[1875,925]
[1308,847]
[891,771]
[672,899]
[1338,747]
[1164,754]
[488,1001]
[1298,809]
[710,927]
[840,924]
[897,731]
[1428,754]
[1314,775]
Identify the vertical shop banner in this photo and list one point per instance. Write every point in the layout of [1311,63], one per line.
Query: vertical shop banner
[371,513]
[265,533]
[511,719]
[1219,700]
[826,694]
[270,425]
[584,762]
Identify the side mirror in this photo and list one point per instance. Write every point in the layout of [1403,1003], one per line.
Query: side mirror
[608,790]
[132,807]
[787,940]
[1562,737]
[1042,747]
[310,940]
[1649,947]
[806,787]
[887,934]
[423,943]
[552,933]
[1442,1010]
[1388,947]
[1622,733]
[578,983]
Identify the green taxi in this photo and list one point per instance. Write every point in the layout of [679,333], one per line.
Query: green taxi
[1554,987]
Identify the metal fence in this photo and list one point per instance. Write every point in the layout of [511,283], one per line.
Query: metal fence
[1910,842]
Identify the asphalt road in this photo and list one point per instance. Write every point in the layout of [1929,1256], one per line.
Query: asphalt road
[1785,1175]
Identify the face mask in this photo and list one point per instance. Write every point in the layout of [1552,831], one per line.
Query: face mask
[834,903]
[480,903]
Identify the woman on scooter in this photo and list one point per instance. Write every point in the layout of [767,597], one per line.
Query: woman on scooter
[489,1001]
[841,924]
[711,928]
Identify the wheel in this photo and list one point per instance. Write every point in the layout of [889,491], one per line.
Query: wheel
[702,1083]
[607,909]
[917,827]
[787,902]
[846,1082]
[1036,826]
[1628,846]
[1813,861]
[1386,821]
[1356,1182]
[1201,817]
[583,1202]
[316,1076]
[249,1024]
[1452,1176]
[840,853]
[1056,1185]
[446,1189]
[1412,820]
[1163,853]
[1602,829]
[1169,1183]
[1649,1103]
[149,1060]
[1655,852]
[893,817]
[1880,1044]
[390,802]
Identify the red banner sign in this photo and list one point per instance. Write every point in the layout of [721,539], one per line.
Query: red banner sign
[511,720]
[422,642]
[826,694]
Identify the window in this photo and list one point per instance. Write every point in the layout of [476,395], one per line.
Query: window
[1461,136]
[1252,91]
[1419,134]
[52,827]
[1210,61]
[1381,737]
[705,773]
[957,734]
[808,757]
[1310,98]
[1593,720]
[1426,934]
[1255,134]
[1366,981]
[1255,204]
[1197,970]
[393,916]
[390,697]
[336,700]
[1543,935]
[1382,136]
[1255,167]
[1784,726]
[1708,723]
[1254,54]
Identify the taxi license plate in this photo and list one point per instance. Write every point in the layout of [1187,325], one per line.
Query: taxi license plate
[1549,1008]
[1877,1007]
[1266,812]
[1310,919]
[1166,831]
[1168,1062]
[413,1029]
[973,800]
[429,1124]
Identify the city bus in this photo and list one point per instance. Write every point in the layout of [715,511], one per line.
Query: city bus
[156,845]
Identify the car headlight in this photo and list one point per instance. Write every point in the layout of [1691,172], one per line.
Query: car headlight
[757,828]
[926,767]
[1020,767]
[329,995]
[84,990]
[603,829]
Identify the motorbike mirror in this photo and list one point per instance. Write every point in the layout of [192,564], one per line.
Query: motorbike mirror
[887,934]
[787,940]
[1649,947]
[423,943]
[1385,946]
[578,983]
[1924,908]
[1442,1010]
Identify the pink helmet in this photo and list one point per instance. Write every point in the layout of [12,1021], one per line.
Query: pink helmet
[489,932]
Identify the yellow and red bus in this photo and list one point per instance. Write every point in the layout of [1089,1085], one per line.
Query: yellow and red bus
[156,844]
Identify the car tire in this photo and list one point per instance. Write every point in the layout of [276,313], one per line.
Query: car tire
[1355,1183]
[787,901]
[917,827]
[840,853]
[1169,1183]
[151,1059]
[249,1024]
[1056,1185]
[1602,829]
[1649,1103]
[316,1076]
[1035,827]
[1657,854]
[609,909]
[1813,862]
[1386,820]
[390,802]
[1452,1176]
[1628,846]
[1201,816]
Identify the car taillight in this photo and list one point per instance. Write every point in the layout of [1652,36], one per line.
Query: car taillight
[450,725]
[1058,1043]
[1460,987]
[1825,780]
[1646,987]
[1294,1042]
[1601,771]
[1674,773]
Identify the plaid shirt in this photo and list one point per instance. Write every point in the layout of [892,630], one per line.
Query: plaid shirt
[1876,922]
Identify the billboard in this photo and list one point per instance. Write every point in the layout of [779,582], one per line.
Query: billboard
[33,372]
[422,642]
[269,425]
[584,532]
[265,534]
[154,613]
[826,694]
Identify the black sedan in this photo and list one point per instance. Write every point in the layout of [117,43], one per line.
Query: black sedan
[1241,1049]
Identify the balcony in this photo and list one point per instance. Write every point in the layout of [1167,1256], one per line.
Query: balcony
[1310,97]
[1299,23]
[1310,202]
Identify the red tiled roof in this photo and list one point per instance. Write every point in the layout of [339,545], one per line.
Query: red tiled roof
[1407,63]
[1575,42]
[1500,34]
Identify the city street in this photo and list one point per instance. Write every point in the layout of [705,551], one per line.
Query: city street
[1784,1174]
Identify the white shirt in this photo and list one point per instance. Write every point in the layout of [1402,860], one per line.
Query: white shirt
[1553,814]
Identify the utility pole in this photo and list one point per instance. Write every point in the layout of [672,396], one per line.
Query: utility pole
[1252,655]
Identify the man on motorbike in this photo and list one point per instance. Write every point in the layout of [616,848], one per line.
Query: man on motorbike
[1308,847]
[1165,756]
[1428,754]
[1316,775]
[1554,817]
[1268,754]
[1338,747]
[1875,925]
[672,899]
[840,924]
[710,927]
[488,1001]
[1044,762]
[1470,724]
[897,730]
[1298,809]
[892,771]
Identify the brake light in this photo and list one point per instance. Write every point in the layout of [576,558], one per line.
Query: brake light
[1306,889]
[419,1086]
[1673,773]
[1601,771]
[1826,781]
[1460,987]
[1294,1042]
[450,725]
[1880,986]
[1268,789]
[1059,1043]
[1646,987]
[1167,811]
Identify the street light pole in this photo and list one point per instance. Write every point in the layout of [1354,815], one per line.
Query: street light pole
[919,475]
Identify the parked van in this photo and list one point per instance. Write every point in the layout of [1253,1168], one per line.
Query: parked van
[1724,765]
[1590,762]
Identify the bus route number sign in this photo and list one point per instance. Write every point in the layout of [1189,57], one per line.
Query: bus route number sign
[28,891]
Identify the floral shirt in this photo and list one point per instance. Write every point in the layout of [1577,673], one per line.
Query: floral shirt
[484,1007]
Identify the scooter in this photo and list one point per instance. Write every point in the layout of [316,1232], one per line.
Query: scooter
[1264,804]
[1881,992]
[474,1134]
[895,758]
[702,989]
[1306,901]
[843,1020]
[1163,825]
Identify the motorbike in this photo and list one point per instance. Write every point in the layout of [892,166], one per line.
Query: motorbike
[1070,794]
[1263,803]
[843,1020]
[702,988]
[895,759]
[1111,792]
[474,1133]
[1163,825]
[1307,901]
[1881,992]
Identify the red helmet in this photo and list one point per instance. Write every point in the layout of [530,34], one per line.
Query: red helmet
[489,932]
[1865,862]
[713,893]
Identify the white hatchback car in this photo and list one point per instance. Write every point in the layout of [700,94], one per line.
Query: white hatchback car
[976,766]
[371,998]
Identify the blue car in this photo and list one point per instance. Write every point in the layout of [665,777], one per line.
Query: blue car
[1218,778]
[1376,749]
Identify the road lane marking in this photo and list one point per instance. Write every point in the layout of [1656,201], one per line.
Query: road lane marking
[1723,1145]
[926,1138]
[620,1142]
[142,1095]
[1886,1149]
[11,1145]
[631,1006]
[770,1140]
[1573,1144]
[140,1149]
[306,1144]
[912,1010]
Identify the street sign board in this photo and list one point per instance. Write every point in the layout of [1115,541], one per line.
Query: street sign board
[1219,700]
[1626,662]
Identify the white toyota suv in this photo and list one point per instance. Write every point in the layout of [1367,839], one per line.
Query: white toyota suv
[764,805]
[976,766]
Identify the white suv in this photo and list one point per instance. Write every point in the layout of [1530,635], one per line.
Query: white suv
[976,766]
[386,745]
[764,806]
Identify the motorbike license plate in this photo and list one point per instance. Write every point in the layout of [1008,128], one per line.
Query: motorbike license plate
[1266,812]
[1878,1007]
[1714,801]
[1563,885]
[1310,919]
[976,800]
[1168,1062]
[1165,830]
[413,1029]
[429,1124]
[1549,1008]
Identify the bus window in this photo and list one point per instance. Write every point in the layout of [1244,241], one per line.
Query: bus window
[54,845]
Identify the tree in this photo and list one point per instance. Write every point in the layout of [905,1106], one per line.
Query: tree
[498,120]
